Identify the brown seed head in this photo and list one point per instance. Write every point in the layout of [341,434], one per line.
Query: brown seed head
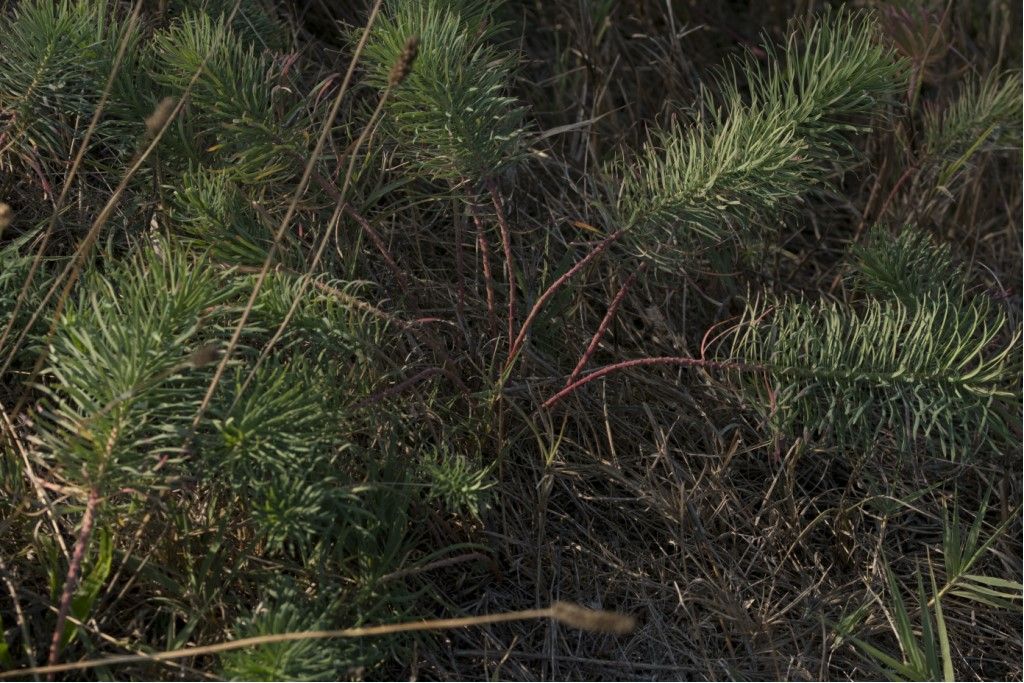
[403,65]
[204,355]
[592,620]
[6,215]
[158,119]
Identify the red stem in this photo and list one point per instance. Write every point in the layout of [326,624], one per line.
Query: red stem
[74,568]
[485,254]
[381,247]
[460,271]
[895,188]
[374,236]
[535,311]
[662,360]
[506,245]
[605,324]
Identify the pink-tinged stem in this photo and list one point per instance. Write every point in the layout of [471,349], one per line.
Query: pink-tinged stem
[506,245]
[605,324]
[74,569]
[460,272]
[398,388]
[550,292]
[636,362]
[892,193]
[403,282]
[485,255]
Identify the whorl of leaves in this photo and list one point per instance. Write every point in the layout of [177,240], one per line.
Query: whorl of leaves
[254,21]
[55,60]
[985,115]
[907,265]
[121,378]
[451,115]
[456,481]
[938,371]
[231,123]
[284,608]
[721,177]
[273,445]
[213,213]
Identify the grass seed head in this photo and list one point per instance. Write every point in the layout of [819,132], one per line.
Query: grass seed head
[204,355]
[6,216]
[403,65]
[161,112]
[592,620]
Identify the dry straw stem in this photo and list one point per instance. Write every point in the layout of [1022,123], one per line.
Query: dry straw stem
[637,362]
[565,613]
[74,570]
[161,113]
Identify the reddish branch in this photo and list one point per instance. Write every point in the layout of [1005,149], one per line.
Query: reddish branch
[398,388]
[506,245]
[403,282]
[74,569]
[460,271]
[485,254]
[605,323]
[335,194]
[637,362]
[555,286]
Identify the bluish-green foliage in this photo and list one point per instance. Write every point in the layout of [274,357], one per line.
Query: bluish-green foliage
[232,123]
[453,117]
[283,608]
[985,115]
[121,377]
[759,145]
[934,369]
[357,451]
[907,265]
[55,62]
[213,213]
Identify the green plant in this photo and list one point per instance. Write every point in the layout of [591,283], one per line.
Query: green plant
[452,114]
[929,657]
[56,58]
[907,265]
[215,215]
[258,414]
[936,369]
[233,124]
[721,178]
[457,483]
[985,115]
[122,373]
